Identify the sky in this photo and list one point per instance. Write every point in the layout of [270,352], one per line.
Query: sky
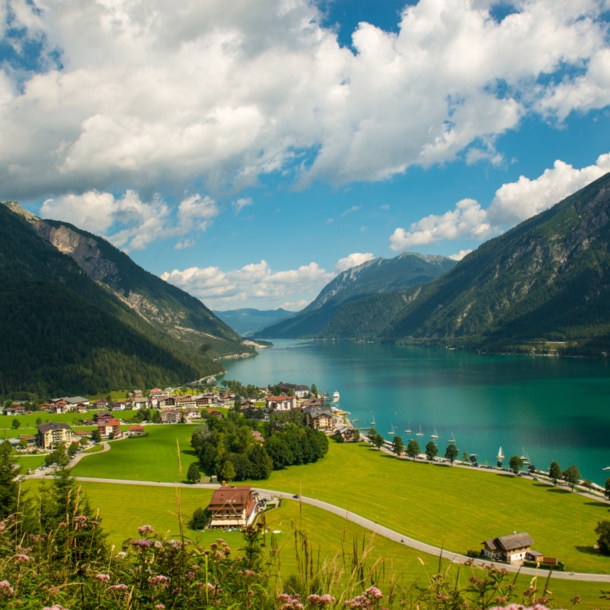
[248,151]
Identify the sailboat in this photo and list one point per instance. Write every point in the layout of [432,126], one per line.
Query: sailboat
[408,430]
[420,433]
[525,458]
[500,457]
[373,416]
[435,435]
[393,430]
[452,439]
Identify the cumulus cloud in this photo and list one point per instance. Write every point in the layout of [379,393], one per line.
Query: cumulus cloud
[242,203]
[296,306]
[512,203]
[130,223]
[458,256]
[216,93]
[353,260]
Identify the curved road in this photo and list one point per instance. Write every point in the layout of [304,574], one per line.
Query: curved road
[371,526]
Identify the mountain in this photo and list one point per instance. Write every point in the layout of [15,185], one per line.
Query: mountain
[248,321]
[542,286]
[380,275]
[78,316]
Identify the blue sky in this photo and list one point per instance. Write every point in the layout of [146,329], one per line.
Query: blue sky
[249,152]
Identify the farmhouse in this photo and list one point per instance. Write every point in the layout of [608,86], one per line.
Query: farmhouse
[513,548]
[136,430]
[52,434]
[233,507]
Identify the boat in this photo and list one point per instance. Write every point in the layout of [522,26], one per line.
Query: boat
[420,433]
[525,458]
[336,397]
[393,429]
[373,422]
[408,430]
[452,439]
[606,468]
[435,435]
[500,455]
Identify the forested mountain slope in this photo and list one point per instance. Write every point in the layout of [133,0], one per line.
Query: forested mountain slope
[547,281]
[61,332]
[380,275]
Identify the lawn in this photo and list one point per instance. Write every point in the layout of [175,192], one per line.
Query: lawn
[452,508]
[152,457]
[28,422]
[30,461]
[125,507]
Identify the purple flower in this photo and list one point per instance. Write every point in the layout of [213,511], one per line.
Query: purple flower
[142,543]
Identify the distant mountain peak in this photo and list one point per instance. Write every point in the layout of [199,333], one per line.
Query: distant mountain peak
[13,206]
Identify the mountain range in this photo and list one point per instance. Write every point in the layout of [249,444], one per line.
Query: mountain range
[542,286]
[379,275]
[79,316]
[248,321]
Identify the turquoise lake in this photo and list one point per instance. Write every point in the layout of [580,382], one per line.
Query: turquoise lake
[551,408]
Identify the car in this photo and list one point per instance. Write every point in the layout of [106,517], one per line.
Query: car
[296,497]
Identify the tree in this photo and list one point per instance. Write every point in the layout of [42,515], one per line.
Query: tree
[413,449]
[96,437]
[355,434]
[607,490]
[16,423]
[227,471]
[451,452]
[397,445]
[515,463]
[23,444]
[572,475]
[9,488]
[465,457]
[73,448]
[193,475]
[555,472]
[237,403]
[38,421]
[200,519]
[314,389]
[260,462]
[431,450]
[603,542]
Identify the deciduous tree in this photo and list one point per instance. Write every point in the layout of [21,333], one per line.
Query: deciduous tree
[397,445]
[431,450]
[413,449]
[603,542]
[228,471]
[515,463]
[571,475]
[555,472]
[193,475]
[9,488]
[16,424]
[451,452]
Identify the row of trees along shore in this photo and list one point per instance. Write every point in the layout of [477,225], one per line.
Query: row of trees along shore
[570,475]
[54,555]
[228,448]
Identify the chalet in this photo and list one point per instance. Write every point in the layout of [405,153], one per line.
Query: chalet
[512,548]
[281,403]
[170,416]
[312,402]
[137,394]
[203,400]
[166,402]
[233,507]
[100,418]
[257,436]
[319,418]
[14,410]
[83,433]
[140,403]
[109,427]
[346,432]
[100,404]
[216,414]
[188,415]
[136,430]
[30,439]
[45,406]
[118,406]
[52,434]
[76,403]
[186,402]
[59,406]
[248,404]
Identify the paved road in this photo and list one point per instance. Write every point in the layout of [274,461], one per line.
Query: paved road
[75,460]
[371,526]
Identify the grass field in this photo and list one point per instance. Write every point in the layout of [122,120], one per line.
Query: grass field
[30,461]
[28,422]
[152,457]
[125,507]
[450,507]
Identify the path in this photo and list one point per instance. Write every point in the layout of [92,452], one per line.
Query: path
[371,526]
[75,460]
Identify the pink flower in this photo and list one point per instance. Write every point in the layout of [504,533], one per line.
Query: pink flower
[54,607]
[320,600]
[21,557]
[5,588]
[158,580]
[146,529]
[159,607]
[117,587]
[103,578]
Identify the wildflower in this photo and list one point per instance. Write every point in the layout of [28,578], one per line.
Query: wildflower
[120,587]
[320,600]
[142,543]
[120,555]
[103,578]
[190,575]
[63,524]
[195,566]
[158,580]
[21,557]
[5,588]
[54,607]
[146,529]
[159,607]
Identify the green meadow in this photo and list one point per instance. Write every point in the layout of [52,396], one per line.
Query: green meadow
[453,508]
[126,507]
[28,422]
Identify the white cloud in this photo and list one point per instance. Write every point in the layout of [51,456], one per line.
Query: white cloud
[513,203]
[129,222]
[218,93]
[353,260]
[384,207]
[255,283]
[458,256]
[296,306]
[354,208]
[242,203]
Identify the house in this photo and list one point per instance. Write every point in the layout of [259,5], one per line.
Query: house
[52,434]
[140,403]
[257,436]
[216,414]
[203,400]
[233,507]
[74,401]
[14,410]
[170,416]
[111,426]
[319,418]
[83,433]
[102,417]
[166,402]
[512,548]
[136,430]
[188,415]
[312,402]
[281,403]
[30,439]
[346,432]
[100,404]
[118,406]
[248,404]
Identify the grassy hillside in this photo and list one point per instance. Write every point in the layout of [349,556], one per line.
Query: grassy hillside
[541,283]
[62,333]
[371,278]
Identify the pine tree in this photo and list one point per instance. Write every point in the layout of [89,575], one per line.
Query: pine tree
[9,487]
[193,475]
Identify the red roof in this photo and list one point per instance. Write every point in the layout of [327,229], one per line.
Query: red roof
[279,398]
[134,428]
